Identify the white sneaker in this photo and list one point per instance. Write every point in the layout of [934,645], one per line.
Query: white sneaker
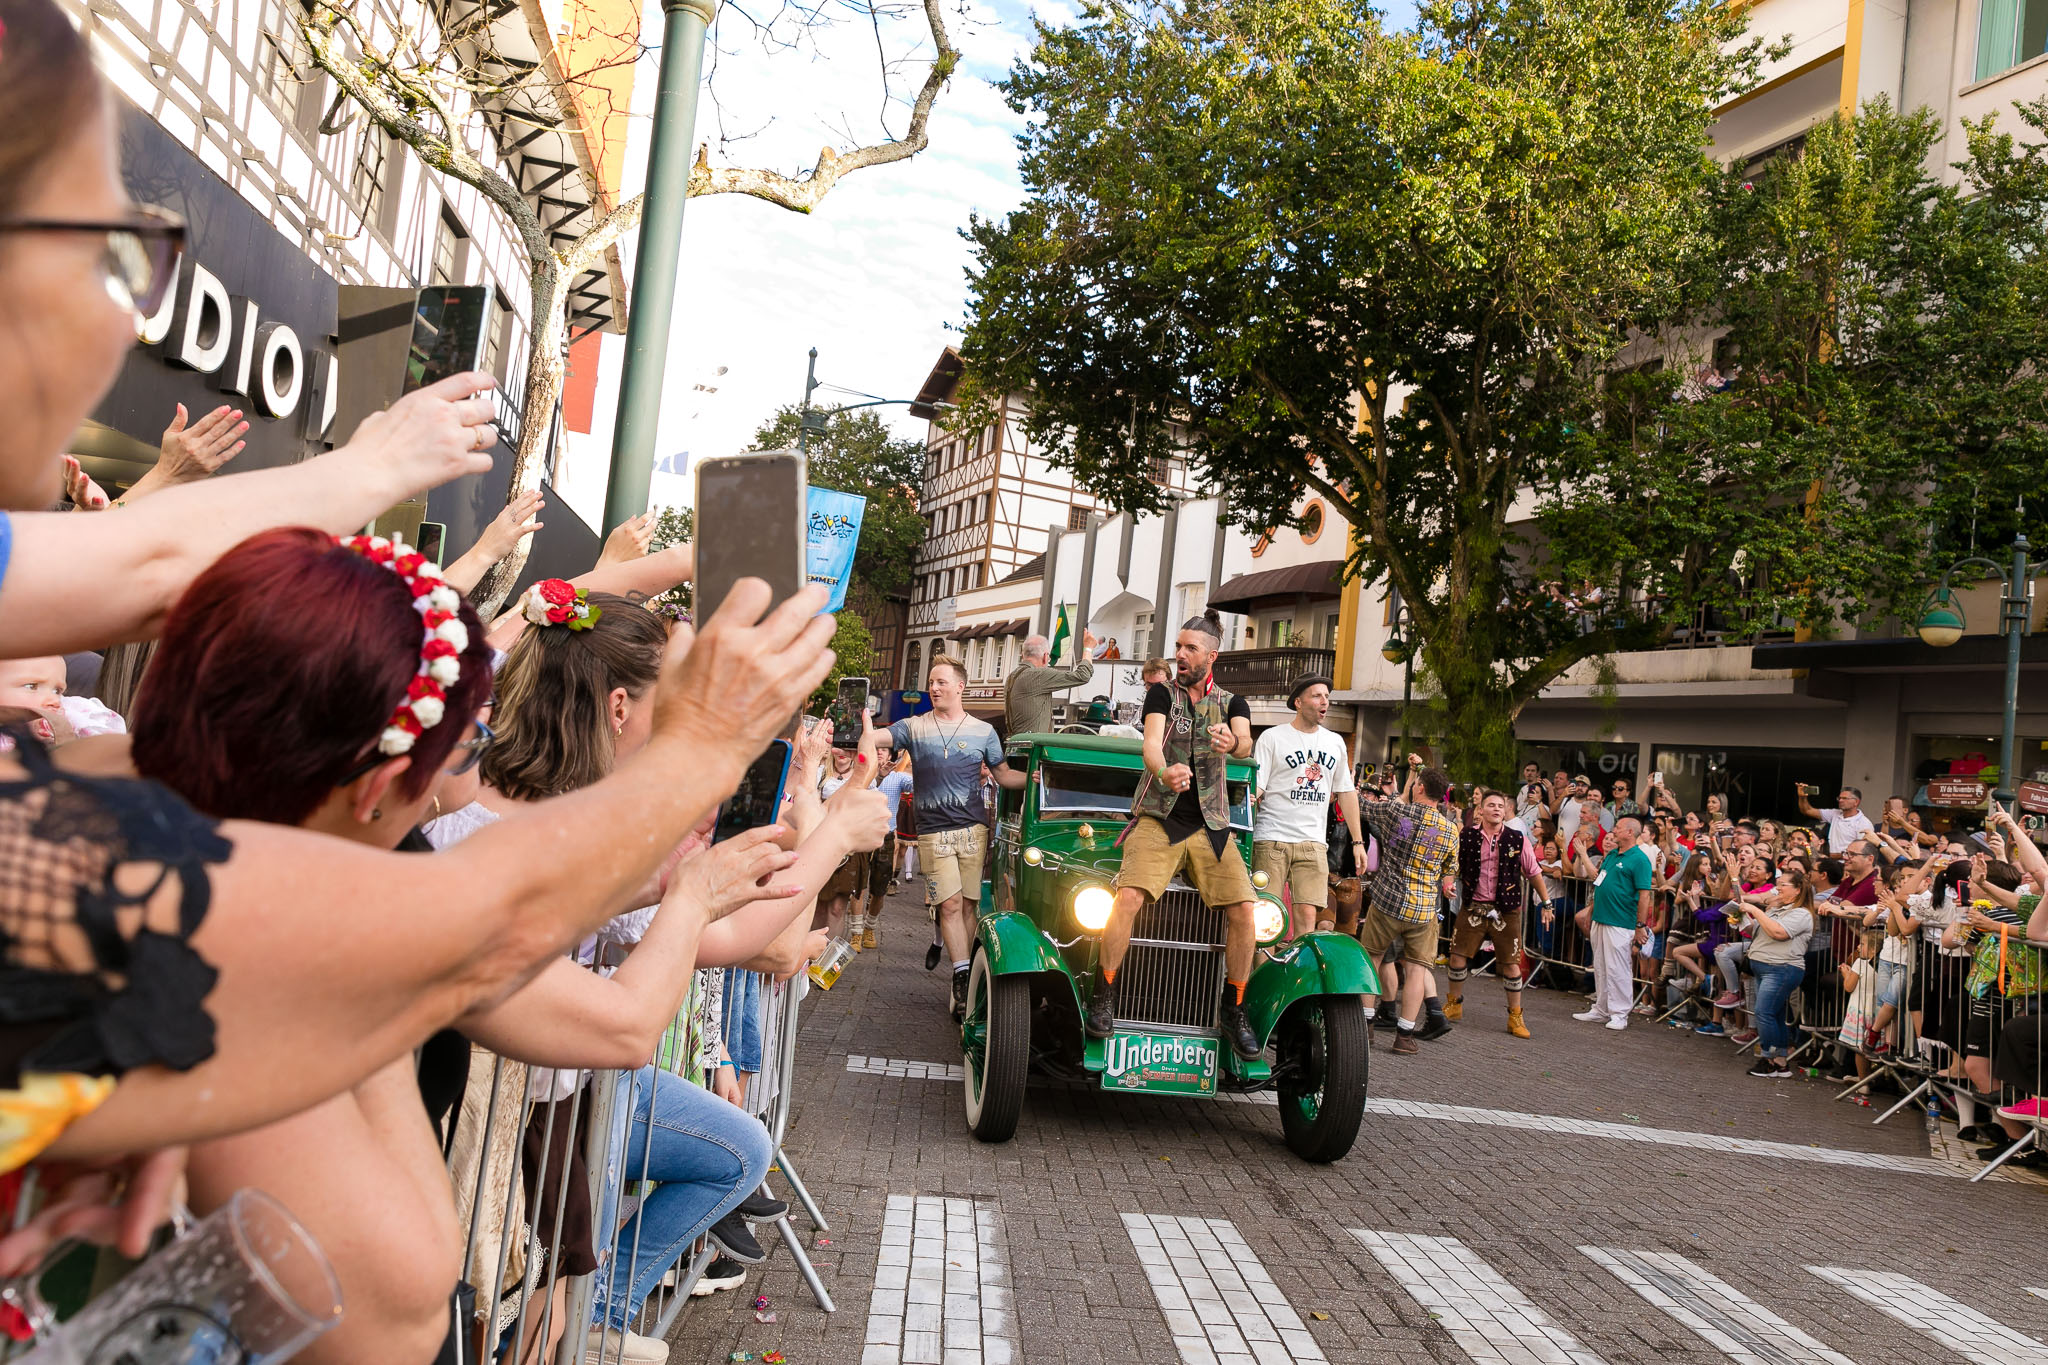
[723,1273]
[605,1347]
[1618,1022]
[1590,1016]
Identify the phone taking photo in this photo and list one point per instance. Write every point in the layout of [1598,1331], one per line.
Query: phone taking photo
[750,524]
[758,799]
[846,710]
[447,333]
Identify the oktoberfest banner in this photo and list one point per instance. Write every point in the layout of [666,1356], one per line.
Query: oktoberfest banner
[833,533]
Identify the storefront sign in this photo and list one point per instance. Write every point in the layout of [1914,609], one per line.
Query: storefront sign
[983,694]
[249,322]
[2032,797]
[1961,793]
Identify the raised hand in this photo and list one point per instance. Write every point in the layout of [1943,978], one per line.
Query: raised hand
[514,522]
[736,873]
[194,452]
[735,682]
[860,815]
[431,435]
[85,494]
[629,539]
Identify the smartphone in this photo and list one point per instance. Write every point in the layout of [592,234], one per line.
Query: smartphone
[759,798]
[447,333]
[1656,777]
[845,712]
[750,524]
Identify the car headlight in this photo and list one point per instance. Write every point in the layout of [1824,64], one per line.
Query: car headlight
[1261,880]
[1269,921]
[1092,907]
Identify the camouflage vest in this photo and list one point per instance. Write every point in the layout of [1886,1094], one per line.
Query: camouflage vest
[1187,741]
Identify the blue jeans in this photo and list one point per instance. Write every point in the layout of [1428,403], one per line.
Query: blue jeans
[706,1156]
[743,1019]
[1775,982]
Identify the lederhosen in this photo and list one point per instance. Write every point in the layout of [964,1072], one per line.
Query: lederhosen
[1504,927]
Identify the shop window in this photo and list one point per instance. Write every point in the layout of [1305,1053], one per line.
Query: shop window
[1753,783]
[2009,32]
[451,250]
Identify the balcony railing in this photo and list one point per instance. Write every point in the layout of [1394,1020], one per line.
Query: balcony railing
[1270,672]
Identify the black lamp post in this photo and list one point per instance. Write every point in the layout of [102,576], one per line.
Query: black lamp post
[1942,624]
[1398,650]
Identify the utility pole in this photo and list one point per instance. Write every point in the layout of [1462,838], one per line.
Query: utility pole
[684,23]
[803,429]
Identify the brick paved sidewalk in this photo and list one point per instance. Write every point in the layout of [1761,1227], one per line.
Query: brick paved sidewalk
[1112,1224]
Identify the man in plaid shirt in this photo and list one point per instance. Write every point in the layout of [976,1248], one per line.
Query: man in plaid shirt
[1418,861]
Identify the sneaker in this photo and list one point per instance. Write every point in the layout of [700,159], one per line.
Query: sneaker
[1101,1020]
[1618,1023]
[1744,1038]
[1435,1024]
[736,1240]
[627,1348]
[959,1004]
[2026,1111]
[1728,1000]
[722,1273]
[1386,1019]
[1643,1011]
[1770,1070]
[1405,1044]
[1454,1009]
[1516,1024]
[761,1207]
[1591,1016]
[870,940]
[1711,1030]
[1237,1031]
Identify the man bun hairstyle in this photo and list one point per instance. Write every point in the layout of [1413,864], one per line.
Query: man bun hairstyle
[1209,623]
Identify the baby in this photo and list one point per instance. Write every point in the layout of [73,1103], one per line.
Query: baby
[37,686]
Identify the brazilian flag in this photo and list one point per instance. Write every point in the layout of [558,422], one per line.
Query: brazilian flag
[1060,635]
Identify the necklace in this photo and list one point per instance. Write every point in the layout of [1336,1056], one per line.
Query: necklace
[946,740]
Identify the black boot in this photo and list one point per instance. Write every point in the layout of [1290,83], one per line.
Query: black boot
[960,992]
[1101,1020]
[1434,1024]
[1237,1031]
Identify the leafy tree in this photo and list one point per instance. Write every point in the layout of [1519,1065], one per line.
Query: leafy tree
[856,454]
[1396,269]
[856,658]
[674,526]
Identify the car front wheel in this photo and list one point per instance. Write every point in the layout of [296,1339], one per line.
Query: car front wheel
[995,1042]
[1322,1046]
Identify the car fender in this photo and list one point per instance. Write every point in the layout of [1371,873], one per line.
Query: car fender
[1313,964]
[1016,945]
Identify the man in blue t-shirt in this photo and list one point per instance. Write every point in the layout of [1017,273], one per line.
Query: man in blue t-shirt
[947,748]
[1621,907]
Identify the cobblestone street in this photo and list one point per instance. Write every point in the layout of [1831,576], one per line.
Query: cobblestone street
[1581,1197]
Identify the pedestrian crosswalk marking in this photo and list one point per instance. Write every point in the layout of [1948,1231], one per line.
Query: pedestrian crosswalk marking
[1732,1322]
[1955,1325]
[1221,1306]
[1490,1320]
[942,1292]
[913,1071]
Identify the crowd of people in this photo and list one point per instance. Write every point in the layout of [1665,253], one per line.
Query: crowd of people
[349,837]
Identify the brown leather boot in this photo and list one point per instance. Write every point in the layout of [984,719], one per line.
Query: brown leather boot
[1515,1024]
[1347,898]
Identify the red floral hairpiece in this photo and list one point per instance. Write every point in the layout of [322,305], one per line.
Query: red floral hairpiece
[552,602]
[426,696]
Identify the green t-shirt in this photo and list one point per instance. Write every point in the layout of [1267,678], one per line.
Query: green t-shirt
[1623,877]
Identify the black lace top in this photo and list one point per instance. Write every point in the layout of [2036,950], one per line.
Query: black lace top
[94,979]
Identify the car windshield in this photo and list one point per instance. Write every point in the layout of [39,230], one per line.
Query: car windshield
[1074,790]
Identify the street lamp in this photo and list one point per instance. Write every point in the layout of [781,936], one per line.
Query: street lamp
[1398,650]
[814,421]
[1942,624]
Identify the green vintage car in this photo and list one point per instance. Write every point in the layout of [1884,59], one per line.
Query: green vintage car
[1047,899]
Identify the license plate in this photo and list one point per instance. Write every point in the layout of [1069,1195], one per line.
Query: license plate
[1161,1064]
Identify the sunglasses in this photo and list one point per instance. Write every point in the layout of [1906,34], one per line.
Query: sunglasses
[463,758]
[141,254]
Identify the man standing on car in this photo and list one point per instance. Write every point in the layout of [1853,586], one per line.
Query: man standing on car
[947,748]
[1027,692]
[1418,862]
[1180,818]
[1300,767]
[1493,861]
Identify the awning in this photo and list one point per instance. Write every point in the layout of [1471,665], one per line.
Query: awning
[1322,578]
[992,629]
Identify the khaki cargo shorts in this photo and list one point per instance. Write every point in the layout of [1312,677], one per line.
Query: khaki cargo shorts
[1150,862]
[1304,868]
[1382,931]
[951,861]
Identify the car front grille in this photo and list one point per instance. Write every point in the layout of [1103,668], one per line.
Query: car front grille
[1173,976]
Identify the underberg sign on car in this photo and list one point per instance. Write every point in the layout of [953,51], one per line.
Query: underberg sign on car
[1168,1062]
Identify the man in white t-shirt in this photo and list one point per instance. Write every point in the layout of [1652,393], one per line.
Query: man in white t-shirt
[1846,822]
[1300,767]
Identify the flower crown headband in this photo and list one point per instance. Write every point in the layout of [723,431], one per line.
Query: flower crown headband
[552,602]
[426,696]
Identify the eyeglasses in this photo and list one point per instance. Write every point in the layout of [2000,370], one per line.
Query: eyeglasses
[464,756]
[141,256]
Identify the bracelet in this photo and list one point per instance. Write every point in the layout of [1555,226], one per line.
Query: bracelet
[728,1064]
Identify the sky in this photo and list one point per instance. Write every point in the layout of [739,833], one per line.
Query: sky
[874,278]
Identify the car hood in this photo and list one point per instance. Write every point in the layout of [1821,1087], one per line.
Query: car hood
[1062,844]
